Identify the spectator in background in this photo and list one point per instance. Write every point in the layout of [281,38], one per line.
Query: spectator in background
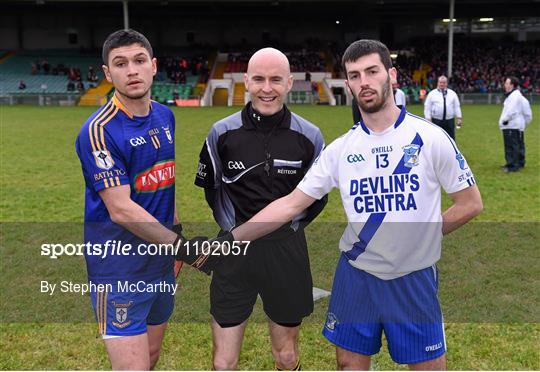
[91,74]
[516,115]
[422,94]
[315,92]
[70,86]
[37,64]
[22,85]
[80,86]
[71,75]
[46,66]
[308,76]
[442,106]
[62,69]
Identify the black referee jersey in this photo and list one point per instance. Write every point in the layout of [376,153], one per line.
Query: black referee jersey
[250,162]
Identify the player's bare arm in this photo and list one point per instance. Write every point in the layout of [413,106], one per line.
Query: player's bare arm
[133,217]
[273,216]
[138,221]
[467,205]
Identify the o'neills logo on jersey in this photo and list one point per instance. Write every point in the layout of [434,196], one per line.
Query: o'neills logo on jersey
[160,176]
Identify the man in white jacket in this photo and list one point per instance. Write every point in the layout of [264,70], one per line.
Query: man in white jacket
[399,95]
[515,116]
[442,107]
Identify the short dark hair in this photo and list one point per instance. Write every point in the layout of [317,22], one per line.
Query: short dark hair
[514,81]
[122,38]
[364,47]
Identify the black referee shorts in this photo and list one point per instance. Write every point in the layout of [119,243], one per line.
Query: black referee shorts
[277,270]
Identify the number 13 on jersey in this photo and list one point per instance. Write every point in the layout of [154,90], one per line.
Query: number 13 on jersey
[381,160]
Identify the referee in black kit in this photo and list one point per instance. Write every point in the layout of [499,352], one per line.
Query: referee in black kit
[248,160]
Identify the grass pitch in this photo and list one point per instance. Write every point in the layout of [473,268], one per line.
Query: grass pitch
[489,270]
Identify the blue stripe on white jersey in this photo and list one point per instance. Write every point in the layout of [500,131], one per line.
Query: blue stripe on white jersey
[376,219]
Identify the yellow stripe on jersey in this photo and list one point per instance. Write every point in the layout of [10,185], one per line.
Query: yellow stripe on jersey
[106,183]
[157,139]
[101,125]
[111,181]
[121,106]
[117,181]
[108,115]
[106,109]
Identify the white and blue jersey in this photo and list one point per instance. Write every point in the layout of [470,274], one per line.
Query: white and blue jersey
[117,148]
[386,279]
[390,188]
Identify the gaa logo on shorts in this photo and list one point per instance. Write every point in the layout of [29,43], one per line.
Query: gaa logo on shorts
[331,321]
[121,314]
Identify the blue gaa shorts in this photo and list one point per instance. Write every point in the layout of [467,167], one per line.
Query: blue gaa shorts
[125,308]
[407,309]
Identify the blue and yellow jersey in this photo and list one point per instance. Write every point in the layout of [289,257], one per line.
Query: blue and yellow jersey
[117,148]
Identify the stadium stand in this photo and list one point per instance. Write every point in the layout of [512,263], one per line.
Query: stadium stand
[51,79]
[299,61]
[61,72]
[478,67]
[96,96]
[239,93]
[164,92]
[307,61]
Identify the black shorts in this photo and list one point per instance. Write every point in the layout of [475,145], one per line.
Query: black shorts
[277,270]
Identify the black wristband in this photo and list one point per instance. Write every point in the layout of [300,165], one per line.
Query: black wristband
[177,228]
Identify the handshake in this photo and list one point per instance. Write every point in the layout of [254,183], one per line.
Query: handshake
[202,253]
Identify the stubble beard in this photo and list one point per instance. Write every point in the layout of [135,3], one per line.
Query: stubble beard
[380,104]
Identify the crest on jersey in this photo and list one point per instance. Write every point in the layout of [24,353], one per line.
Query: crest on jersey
[121,314]
[104,159]
[410,157]
[168,133]
[331,321]
[461,161]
